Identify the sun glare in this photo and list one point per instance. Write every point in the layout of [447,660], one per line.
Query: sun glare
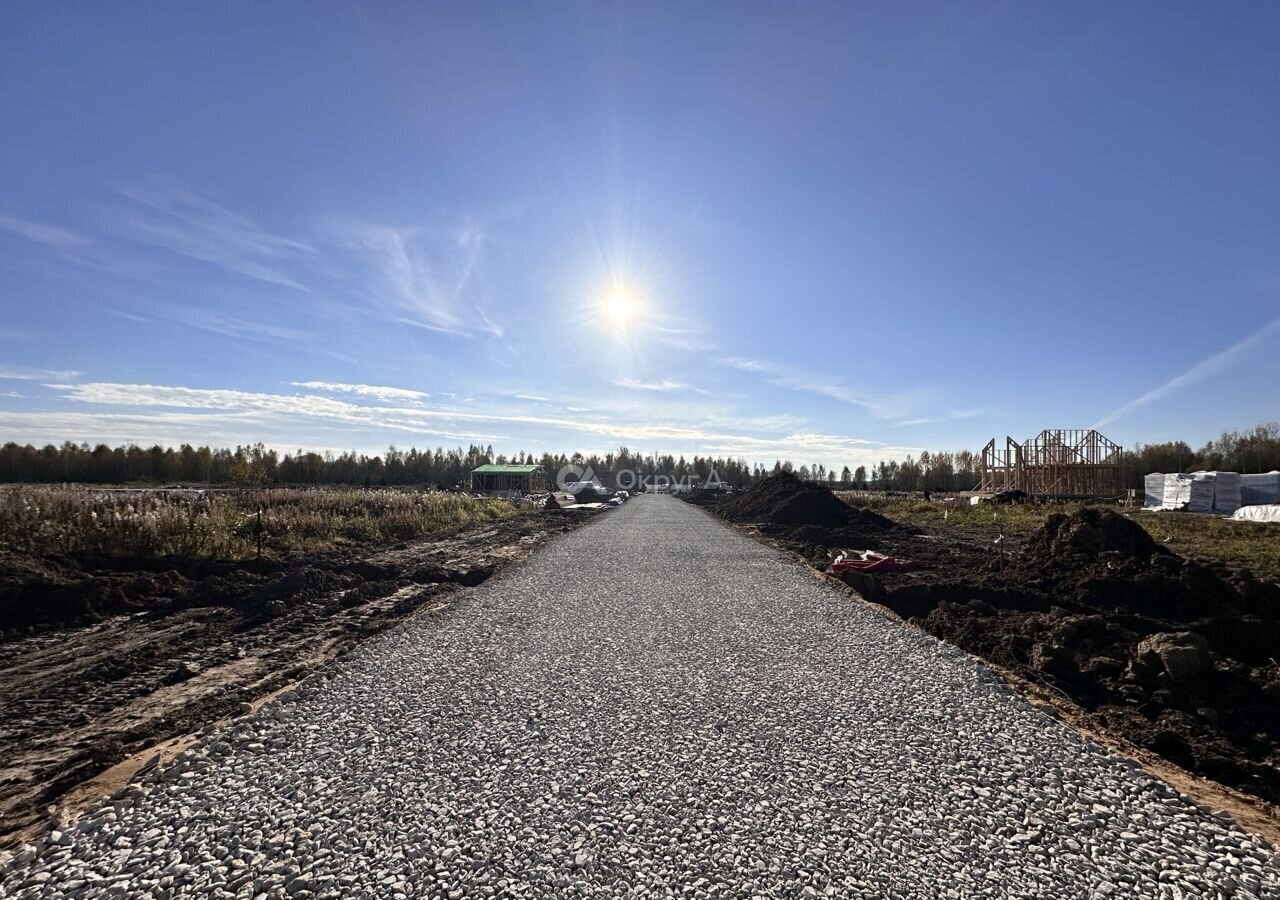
[619,308]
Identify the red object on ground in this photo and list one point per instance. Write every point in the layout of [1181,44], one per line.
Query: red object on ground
[875,562]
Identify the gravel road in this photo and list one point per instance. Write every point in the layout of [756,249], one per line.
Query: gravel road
[652,705]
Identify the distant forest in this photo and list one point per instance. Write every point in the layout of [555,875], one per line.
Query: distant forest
[1256,450]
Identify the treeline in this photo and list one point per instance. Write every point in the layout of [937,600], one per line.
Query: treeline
[259,465]
[1256,450]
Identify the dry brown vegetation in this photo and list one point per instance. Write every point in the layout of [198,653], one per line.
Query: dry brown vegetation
[47,521]
[1209,539]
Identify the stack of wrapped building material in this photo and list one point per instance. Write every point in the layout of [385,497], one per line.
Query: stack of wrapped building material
[1202,491]
[1226,492]
[1192,493]
[1260,490]
[1217,492]
[1177,491]
[1153,490]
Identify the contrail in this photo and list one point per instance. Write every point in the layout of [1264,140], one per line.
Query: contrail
[1198,372]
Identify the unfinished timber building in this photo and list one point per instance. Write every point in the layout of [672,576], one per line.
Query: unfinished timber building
[1063,463]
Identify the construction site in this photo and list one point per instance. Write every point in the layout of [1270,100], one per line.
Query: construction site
[1060,464]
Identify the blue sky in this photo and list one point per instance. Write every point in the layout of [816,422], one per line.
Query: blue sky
[844,232]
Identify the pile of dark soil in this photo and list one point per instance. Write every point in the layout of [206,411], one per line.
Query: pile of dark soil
[69,591]
[783,499]
[66,591]
[592,494]
[1091,532]
[806,516]
[1178,657]
[1004,498]
[702,497]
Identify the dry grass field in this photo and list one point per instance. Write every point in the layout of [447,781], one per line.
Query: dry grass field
[1208,539]
[44,521]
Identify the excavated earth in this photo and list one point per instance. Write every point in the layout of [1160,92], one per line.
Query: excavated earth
[803,515]
[1173,655]
[101,659]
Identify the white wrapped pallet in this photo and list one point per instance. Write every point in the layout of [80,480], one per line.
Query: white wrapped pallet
[1261,489]
[1192,493]
[1202,489]
[1153,489]
[1177,491]
[1226,492]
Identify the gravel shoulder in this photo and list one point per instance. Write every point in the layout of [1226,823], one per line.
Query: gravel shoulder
[652,701]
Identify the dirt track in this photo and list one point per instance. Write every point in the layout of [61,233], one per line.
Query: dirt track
[76,698]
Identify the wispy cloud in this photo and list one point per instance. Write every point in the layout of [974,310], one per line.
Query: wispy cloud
[690,343]
[225,428]
[169,216]
[21,373]
[664,385]
[1202,370]
[377,391]
[39,233]
[814,447]
[257,407]
[218,323]
[428,275]
[164,214]
[71,247]
[952,416]
[425,277]
[891,406]
[310,405]
[428,326]
[308,414]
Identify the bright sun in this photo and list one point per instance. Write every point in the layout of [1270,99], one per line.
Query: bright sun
[619,308]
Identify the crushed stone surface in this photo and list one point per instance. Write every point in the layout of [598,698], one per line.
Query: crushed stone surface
[650,706]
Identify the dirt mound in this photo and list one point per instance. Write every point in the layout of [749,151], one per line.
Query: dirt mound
[819,545]
[1004,498]
[34,591]
[1091,532]
[702,497]
[806,517]
[783,499]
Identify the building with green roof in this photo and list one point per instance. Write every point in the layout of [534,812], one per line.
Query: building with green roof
[495,479]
